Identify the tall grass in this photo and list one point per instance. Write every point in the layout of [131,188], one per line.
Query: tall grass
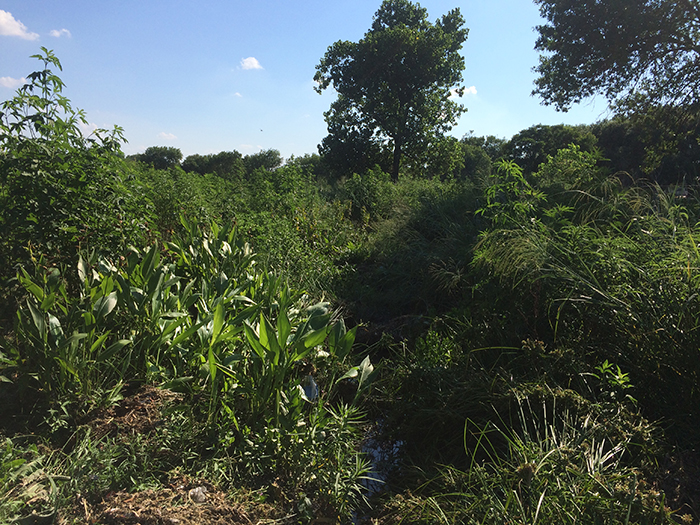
[549,465]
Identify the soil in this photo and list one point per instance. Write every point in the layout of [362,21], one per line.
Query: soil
[183,501]
[679,479]
[137,413]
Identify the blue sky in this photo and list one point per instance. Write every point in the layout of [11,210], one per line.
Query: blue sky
[213,76]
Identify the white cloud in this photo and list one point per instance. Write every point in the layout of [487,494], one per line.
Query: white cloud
[250,63]
[11,27]
[58,33]
[12,83]
[471,90]
[87,129]
[166,136]
[237,94]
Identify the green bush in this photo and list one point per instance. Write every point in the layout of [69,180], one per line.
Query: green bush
[60,191]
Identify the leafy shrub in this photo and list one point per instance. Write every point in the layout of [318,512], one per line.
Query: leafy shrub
[59,190]
[369,195]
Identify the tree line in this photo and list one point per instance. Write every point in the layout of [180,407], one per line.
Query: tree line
[625,146]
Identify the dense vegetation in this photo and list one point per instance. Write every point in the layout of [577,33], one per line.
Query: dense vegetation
[513,339]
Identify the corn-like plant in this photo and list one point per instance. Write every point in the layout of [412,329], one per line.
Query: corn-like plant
[68,341]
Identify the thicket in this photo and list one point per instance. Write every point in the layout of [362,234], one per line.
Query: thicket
[514,340]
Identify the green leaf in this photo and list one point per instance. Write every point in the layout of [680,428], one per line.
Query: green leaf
[269,340]
[167,284]
[104,305]
[336,334]
[31,286]
[156,293]
[212,363]
[353,372]
[340,346]
[55,327]
[254,342]
[180,384]
[67,367]
[316,337]
[112,350]
[99,342]
[231,359]
[48,302]
[73,339]
[219,315]
[186,334]
[245,314]
[262,333]
[366,370]
[82,269]
[226,371]
[172,325]
[38,318]
[284,328]
[150,261]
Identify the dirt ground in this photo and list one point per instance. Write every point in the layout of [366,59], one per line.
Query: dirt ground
[183,501]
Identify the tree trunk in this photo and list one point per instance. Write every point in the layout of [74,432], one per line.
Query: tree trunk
[397,160]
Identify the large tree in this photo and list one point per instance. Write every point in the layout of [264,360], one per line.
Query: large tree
[225,164]
[627,50]
[532,146]
[160,157]
[394,86]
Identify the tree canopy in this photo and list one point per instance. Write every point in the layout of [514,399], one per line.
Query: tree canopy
[226,164]
[626,50]
[395,85]
[531,147]
[160,157]
[268,159]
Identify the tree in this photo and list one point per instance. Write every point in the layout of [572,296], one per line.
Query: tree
[640,145]
[626,50]
[268,159]
[476,162]
[160,157]
[532,146]
[492,145]
[196,164]
[395,85]
[349,146]
[225,164]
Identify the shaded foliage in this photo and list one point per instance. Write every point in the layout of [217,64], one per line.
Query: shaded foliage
[621,49]
[530,147]
[226,164]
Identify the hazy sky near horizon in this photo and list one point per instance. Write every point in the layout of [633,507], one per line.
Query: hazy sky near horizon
[213,76]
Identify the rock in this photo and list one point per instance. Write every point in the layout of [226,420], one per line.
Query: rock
[198,494]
